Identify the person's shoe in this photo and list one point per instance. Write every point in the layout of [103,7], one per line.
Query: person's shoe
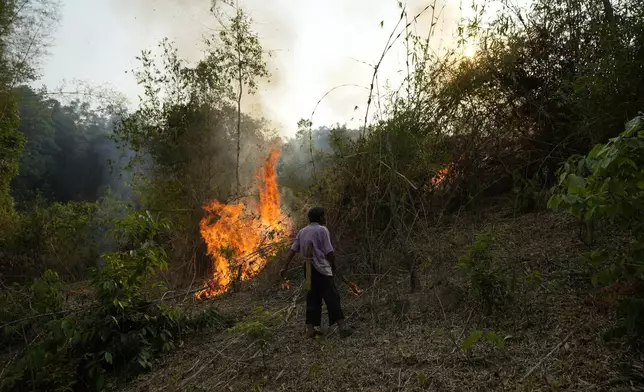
[346,332]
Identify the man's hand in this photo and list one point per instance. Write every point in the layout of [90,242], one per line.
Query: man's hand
[285,283]
[289,258]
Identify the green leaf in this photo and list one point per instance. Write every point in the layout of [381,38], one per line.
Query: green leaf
[589,214]
[473,338]
[494,338]
[595,151]
[422,379]
[575,183]
[572,199]
[602,278]
[108,357]
[554,201]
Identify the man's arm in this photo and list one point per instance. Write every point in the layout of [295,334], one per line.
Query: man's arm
[330,256]
[289,258]
[295,248]
[334,267]
[336,271]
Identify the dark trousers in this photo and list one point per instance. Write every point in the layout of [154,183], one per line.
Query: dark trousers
[322,287]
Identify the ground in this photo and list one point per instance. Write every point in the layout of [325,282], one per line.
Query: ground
[414,341]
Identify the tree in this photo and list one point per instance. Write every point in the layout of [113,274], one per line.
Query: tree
[182,142]
[242,60]
[68,155]
[24,30]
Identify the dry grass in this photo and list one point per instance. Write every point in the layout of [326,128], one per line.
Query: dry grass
[409,342]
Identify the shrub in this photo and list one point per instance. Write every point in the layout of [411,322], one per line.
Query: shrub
[529,193]
[480,335]
[18,306]
[608,183]
[259,326]
[123,331]
[490,281]
[53,236]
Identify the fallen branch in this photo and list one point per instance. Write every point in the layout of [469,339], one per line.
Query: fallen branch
[62,312]
[293,304]
[185,381]
[464,329]
[73,311]
[542,360]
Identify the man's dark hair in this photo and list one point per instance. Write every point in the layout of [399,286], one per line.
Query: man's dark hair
[316,214]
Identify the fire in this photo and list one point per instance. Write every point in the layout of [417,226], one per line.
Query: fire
[269,196]
[440,176]
[241,237]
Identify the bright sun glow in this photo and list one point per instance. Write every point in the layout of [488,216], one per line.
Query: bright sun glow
[470,50]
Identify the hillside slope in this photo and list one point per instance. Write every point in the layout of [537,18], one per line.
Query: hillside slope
[551,337]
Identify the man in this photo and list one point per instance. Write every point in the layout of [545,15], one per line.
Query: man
[314,242]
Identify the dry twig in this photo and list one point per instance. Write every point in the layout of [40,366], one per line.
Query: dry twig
[542,360]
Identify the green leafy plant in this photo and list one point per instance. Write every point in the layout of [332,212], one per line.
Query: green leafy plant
[124,330]
[529,194]
[608,184]
[259,326]
[54,236]
[490,281]
[422,379]
[480,335]
[209,318]
[259,384]
[19,306]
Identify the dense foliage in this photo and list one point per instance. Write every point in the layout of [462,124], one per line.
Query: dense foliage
[608,184]
[547,81]
[187,133]
[69,154]
[122,330]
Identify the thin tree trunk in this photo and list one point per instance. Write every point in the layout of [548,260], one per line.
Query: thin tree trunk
[239,98]
[608,11]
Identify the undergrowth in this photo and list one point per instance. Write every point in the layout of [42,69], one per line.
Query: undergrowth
[608,184]
[121,332]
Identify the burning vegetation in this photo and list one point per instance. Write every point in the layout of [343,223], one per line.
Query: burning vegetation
[241,237]
[440,176]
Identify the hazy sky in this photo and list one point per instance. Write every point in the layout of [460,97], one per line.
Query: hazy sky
[315,45]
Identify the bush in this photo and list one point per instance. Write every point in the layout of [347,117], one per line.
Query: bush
[608,184]
[490,281]
[18,306]
[124,330]
[53,236]
[529,193]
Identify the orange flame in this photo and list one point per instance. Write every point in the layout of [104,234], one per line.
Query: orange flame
[240,240]
[440,176]
[269,196]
